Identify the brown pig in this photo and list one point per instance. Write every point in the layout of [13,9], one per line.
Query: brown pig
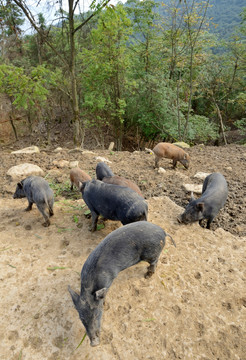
[171,151]
[119,180]
[77,175]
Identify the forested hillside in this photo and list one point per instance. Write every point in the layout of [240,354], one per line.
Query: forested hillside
[224,15]
[133,73]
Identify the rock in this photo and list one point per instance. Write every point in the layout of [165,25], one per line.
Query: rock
[229,168]
[161,170]
[58,149]
[201,175]
[193,188]
[76,150]
[111,146]
[21,171]
[61,163]
[27,150]
[182,144]
[73,164]
[88,152]
[103,159]
[148,151]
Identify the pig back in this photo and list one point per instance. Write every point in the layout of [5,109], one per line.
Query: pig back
[215,189]
[37,189]
[119,180]
[121,249]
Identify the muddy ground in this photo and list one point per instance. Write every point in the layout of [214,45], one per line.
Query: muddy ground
[192,308]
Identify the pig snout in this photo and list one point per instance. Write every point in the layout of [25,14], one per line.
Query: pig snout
[95,340]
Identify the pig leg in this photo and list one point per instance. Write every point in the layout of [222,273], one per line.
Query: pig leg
[157,162]
[151,269]
[50,206]
[41,208]
[29,208]
[209,222]
[71,188]
[174,163]
[94,217]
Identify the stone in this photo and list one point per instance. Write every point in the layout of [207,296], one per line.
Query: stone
[76,150]
[61,163]
[58,149]
[27,150]
[21,171]
[88,152]
[148,151]
[193,188]
[73,164]
[182,144]
[100,158]
[201,175]
[111,146]
[161,170]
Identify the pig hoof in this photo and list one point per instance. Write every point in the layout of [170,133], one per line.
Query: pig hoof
[27,209]
[46,224]
[148,274]
[95,342]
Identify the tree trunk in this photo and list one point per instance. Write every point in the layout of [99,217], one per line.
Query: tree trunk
[75,106]
[221,122]
[13,127]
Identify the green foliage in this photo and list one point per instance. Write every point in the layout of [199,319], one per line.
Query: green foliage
[146,65]
[25,90]
[241,125]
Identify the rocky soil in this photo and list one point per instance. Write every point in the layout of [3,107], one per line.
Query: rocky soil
[194,306]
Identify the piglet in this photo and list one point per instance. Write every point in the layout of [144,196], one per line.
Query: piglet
[214,195]
[171,151]
[37,191]
[77,175]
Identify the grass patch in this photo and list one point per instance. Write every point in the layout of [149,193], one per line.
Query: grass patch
[57,268]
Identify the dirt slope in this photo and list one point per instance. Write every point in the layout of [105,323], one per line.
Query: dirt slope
[194,306]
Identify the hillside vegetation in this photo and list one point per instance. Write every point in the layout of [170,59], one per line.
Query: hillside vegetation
[137,72]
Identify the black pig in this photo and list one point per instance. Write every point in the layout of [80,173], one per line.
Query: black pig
[103,170]
[214,195]
[113,202]
[121,249]
[37,191]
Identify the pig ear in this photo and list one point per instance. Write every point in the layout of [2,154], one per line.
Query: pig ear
[192,197]
[74,295]
[200,206]
[100,294]
[20,185]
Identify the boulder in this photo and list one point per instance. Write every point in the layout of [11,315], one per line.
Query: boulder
[58,149]
[100,158]
[75,150]
[27,150]
[73,164]
[201,175]
[61,163]
[182,144]
[21,171]
[111,146]
[193,188]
